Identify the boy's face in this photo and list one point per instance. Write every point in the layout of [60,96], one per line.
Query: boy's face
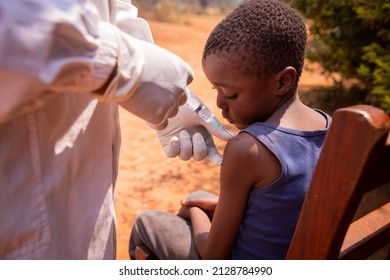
[243,99]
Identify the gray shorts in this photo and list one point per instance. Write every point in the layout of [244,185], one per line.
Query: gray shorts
[168,236]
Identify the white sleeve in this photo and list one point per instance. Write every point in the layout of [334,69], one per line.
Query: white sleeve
[128,21]
[48,47]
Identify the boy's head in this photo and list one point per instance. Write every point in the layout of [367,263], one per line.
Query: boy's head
[265,36]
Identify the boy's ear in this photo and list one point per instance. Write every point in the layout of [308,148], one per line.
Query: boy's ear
[286,80]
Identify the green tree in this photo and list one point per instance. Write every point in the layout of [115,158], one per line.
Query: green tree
[352,38]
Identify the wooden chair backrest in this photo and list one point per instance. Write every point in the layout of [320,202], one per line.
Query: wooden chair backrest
[354,160]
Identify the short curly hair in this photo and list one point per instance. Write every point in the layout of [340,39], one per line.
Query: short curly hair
[267,34]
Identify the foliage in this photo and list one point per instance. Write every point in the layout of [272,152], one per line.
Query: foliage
[352,38]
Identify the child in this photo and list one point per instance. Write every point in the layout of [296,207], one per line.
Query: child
[253,59]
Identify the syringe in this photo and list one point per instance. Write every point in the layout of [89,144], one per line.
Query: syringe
[215,127]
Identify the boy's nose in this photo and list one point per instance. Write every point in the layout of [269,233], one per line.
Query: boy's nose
[221,104]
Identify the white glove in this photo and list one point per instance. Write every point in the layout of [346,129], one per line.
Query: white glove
[160,90]
[188,134]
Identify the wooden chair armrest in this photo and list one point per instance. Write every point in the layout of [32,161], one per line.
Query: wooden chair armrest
[375,225]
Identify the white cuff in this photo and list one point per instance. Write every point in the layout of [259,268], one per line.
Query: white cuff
[130,63]
[105,59]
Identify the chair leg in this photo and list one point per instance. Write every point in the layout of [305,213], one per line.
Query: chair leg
[143,253]
[388,254]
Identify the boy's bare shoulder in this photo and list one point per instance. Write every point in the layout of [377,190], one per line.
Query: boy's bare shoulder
[245,153]
[243,145]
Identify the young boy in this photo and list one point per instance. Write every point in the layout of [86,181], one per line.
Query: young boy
[253,59]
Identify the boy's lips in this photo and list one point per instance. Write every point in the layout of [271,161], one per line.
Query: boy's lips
[226,116]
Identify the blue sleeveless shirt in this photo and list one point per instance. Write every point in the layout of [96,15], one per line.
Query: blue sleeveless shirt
[272,212]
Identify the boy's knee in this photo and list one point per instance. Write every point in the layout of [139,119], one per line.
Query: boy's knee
[142,223]
[150,219]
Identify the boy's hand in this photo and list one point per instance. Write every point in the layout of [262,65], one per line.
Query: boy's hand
[184,212]
[204,200]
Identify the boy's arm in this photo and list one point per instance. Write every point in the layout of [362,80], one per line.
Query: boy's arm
[239,173]
[200,226]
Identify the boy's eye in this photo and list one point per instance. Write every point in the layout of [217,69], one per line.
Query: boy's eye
[227,96]
[232,96]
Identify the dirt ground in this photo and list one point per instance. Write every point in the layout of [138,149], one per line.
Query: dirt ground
[147,178]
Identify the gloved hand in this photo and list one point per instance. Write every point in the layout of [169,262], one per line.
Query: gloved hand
[188,134]
[160,90]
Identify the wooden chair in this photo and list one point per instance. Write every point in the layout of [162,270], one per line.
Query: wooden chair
[355,159]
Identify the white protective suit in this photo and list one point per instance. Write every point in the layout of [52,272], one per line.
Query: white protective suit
[59,130]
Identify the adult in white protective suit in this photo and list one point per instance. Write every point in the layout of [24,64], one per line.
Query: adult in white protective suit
[64,67]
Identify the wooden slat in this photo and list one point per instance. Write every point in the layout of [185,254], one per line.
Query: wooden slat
[367,235]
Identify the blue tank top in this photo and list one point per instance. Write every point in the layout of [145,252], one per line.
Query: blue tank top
[272,212]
